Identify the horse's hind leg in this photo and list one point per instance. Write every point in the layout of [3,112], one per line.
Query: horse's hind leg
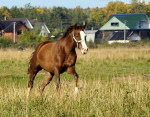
[32,77]
[57,75]
[47,80]
[76,82]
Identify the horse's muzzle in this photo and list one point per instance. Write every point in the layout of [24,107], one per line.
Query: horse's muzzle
[84,51]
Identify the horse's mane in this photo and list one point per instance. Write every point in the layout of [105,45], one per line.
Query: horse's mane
[70,29]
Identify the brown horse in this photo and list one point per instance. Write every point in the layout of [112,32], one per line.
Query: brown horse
[58,57]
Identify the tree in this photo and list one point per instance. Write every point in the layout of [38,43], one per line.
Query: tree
[58,17]
[29,11]
[115,8]
[16,12]
[138,7]
[4,11]
[78,15]
[148,9]
[96,18]
[40,10]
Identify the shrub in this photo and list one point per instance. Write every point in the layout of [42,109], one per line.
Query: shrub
[91,44]
[26,39]
[5,42]
[28,36]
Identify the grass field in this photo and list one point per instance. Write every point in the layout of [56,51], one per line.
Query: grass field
[113,82]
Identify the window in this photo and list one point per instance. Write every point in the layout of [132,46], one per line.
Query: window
[115,24]
[19,32]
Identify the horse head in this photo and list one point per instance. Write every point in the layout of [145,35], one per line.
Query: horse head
[79,38]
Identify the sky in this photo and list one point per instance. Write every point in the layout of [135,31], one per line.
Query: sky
[62,3]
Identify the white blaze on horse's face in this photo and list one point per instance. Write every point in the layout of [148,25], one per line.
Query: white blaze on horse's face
[84,48]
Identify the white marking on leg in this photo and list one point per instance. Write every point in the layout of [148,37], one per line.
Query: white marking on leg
[76,90]
[28,92]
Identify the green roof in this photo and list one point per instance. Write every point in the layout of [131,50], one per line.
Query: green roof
[131,19]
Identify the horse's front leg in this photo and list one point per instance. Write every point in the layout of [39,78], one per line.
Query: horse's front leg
[71,70]
[47,80]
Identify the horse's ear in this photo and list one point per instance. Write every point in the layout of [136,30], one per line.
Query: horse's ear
[83,27]
[75,26]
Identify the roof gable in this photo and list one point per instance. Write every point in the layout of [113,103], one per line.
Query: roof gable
[39,26]
[23,20]
[46,28]
[7,26]
[131,20]
[108,26]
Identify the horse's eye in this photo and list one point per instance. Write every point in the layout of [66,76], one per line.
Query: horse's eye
[77,35]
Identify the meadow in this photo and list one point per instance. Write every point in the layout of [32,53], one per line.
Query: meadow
[113,82]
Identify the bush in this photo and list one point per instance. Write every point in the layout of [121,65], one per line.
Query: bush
[26,39]
[5,42]
[30,39]
[91,44]
[28,36]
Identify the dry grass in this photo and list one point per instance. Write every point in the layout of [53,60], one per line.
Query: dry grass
[116,53]
[130,97]
[113,82]
[101,54]
[13,54]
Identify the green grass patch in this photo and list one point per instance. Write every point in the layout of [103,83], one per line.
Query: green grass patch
[108,86]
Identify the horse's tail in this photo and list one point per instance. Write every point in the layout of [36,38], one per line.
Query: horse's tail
[33,60]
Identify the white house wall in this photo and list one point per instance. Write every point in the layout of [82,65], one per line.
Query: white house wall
[90,37]
[134,37]
[143,25]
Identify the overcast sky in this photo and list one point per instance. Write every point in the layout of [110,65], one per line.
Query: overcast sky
[63,3]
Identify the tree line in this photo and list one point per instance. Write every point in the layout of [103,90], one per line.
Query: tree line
[58,18]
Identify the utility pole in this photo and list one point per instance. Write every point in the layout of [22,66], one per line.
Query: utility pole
[125,30]
[14,32]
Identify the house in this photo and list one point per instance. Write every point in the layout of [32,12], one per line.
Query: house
[125,27]
[40,28]
[17,25]
[13,27]
[35,25]
[92,35]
